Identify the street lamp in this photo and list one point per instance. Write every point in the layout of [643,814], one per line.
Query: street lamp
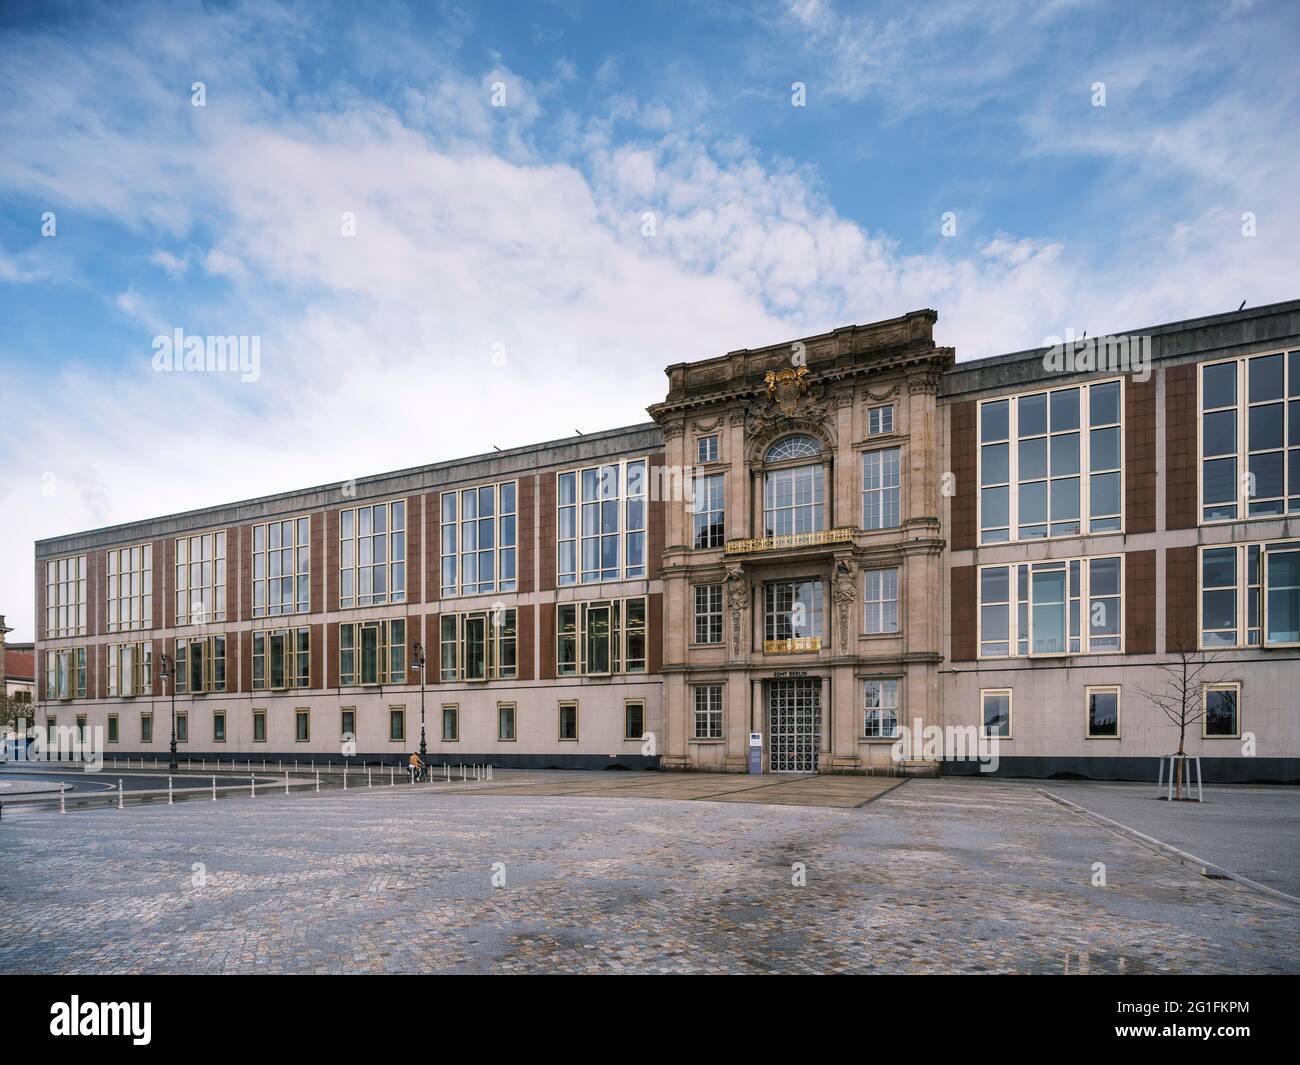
[417,662]
[167,668]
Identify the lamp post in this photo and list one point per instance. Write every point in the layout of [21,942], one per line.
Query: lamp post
[167,668]
[417,662]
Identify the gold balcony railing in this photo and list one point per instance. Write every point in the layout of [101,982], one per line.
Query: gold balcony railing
[788,540]
[793,646]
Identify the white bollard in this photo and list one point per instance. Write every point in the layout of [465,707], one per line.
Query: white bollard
[489,771]
[446,772]
[462,771]
[169,791]
[62,808]
[392,778]
[369,783]
[214,789]
[286,783]
[345,776]
[318,782]
[119,795]
[252,787]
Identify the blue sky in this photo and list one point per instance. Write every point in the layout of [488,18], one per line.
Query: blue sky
[501,288]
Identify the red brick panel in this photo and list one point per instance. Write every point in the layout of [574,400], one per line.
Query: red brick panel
[161,571]
[963,461]
[1180,447]
[246,661]
[654,637]
[1140,600]
[96,593]
[546,531]
[245,573]
[1180,599]
[332,655]
[525,554]
[331,562]
[546,626]
[964,606]
[527,616]
[233,563]
[432,648]
[317,563]
[1140,456]
[316,680]
[656,520]
[414,538]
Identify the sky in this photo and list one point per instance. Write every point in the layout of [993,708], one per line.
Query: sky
[451,227]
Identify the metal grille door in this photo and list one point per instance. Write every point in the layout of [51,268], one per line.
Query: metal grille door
[794,725]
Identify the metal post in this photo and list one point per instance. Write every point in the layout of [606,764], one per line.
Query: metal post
[214,788]
[286,783]
[345,776]
[62,807]
[119,795]
[169,791]
[252,787]
[391,777]
[318,782]
[369,782]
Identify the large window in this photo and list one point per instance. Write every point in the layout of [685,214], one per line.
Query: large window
[601,515]
[601,637]
[708,712]
[880,488]
[130,588]
[1250,594]
[794,496]
[708,613]
[881,709]
[65,597]
[282,658]
[792,616]
[480,645]
[1050,463]
[201,579]
[709,510]
[478,540]
[201,664]
[372,554]
[1058,607]
[881,600]
[65,673]
[282,567]
[372,652]
[130,669]
[1250,437]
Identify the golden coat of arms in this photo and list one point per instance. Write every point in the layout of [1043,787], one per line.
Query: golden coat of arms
[786,387]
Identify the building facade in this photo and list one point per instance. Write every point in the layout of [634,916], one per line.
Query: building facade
[812,547]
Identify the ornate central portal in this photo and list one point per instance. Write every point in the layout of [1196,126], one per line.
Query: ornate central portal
[794,724]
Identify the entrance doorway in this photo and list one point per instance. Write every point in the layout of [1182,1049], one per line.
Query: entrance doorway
[794,724]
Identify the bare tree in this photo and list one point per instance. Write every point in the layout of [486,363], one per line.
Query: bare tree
[1180,699]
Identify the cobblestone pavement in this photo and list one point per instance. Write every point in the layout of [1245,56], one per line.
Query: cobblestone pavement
[934,876]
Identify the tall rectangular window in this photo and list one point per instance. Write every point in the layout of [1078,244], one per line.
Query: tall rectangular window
[601,522]
[633,719]
[1250,437]
[218,726]
[1221,710]
[478,540]
[130,669]
[601,637]
[568,721]
[200,664]
[259,726]
[880,488]
[302,724]
[881,601]
[506,722]
[1050,462]
[706,448]
[129,572]
[65,597]
[146,728]
[1103,712]
[396,724]
[1049,608]
[372,554]
[480,645]
[372,652]
[1282,595]
[65,673]
[282,658]
[282,567]
[201,579]
[1250,595]
[792,616]
[708,711]
[708,510]
[450,723]
[793,500]
[995,712]
[708,613]
[881,709]
[880,420]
